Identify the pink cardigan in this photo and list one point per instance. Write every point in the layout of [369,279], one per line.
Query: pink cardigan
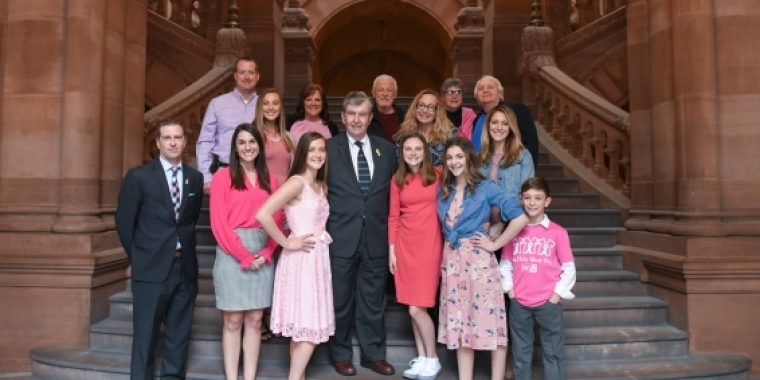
[468,117]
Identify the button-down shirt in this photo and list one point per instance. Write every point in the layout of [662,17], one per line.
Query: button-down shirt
[168,173]
[224,114]
[367,148]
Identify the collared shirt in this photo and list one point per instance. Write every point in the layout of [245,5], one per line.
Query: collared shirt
[367,148]
[168,173]
[224,114]
[543,223]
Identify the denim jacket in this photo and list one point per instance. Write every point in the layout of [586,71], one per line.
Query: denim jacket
[511,178]
[475,210]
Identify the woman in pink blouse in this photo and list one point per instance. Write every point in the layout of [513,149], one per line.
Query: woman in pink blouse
[280,145]
[312,114]
[243,274]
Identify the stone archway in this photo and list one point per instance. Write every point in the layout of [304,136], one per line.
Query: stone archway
[364,39]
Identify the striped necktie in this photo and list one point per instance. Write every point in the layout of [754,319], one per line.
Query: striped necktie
[175,191]
[363,168]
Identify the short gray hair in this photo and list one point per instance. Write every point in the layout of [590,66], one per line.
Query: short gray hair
[452,82]
[498,85]
[356,99]
[385,76]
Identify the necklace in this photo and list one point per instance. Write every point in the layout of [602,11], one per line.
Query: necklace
[273,136]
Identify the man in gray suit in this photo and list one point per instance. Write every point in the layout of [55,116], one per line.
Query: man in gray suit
[358,181]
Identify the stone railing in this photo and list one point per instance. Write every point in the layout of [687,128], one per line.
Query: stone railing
[189,105]
[193,15]
[588,133]
[592,32]
[584,12]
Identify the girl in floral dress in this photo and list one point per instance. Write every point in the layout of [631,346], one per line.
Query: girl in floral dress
[302,305]
[472,313]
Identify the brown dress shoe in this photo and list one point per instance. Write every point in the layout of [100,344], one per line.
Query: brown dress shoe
[379,366]
[345,368]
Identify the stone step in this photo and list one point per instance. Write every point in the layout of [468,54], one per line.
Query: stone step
[561,201]
[589,259]
[83,364]
[585,218]
[583,237]
[608,283]
[562,184]
[614,311]
[549,170]
[589,343]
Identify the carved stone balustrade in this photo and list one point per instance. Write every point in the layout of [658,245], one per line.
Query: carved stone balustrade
[591,132]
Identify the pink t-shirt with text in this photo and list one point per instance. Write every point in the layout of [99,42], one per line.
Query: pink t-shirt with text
[537,254]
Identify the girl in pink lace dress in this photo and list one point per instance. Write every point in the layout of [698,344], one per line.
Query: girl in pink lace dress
[302,305]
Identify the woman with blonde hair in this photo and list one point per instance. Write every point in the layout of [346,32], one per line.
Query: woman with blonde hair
[428,117]
[270,121]
[504,158]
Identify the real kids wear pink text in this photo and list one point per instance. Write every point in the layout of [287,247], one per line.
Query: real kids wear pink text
[537,254]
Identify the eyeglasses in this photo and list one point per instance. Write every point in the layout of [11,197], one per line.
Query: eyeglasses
[453,92]
[429,107]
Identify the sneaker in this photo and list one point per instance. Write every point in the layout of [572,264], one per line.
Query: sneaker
[432,369]
[417,364]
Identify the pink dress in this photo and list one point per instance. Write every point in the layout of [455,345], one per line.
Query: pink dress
[300,128]
[302,305]
[472,312]
[278,160]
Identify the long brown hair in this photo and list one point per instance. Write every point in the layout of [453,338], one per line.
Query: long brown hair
[442,127]
[279,124]
[302,153]
[512,145]
[472,175]
[259,163]
[427,171]
[300,112]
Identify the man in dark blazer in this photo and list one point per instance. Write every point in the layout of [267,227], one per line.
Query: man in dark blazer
[158,208]
[358,182]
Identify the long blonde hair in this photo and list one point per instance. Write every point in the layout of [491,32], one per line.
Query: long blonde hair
[442,127]
[279,124]
[512,145]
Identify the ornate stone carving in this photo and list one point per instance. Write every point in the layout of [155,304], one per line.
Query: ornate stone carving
[295,19]
[470,19]
[178,35]
[598,29]
[230,45]
[537,44]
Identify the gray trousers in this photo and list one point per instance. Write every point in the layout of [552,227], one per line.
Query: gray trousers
[552,334]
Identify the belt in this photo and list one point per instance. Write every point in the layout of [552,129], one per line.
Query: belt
[178,255]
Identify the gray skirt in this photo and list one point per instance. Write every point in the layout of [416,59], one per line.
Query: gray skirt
[238,289]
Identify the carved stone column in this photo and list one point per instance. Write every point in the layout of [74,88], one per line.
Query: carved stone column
[63,101]
[467,45]
[299,48]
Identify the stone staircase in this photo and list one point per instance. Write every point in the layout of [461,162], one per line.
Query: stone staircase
[614,330]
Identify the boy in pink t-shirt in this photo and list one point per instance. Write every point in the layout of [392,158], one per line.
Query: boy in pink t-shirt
[537,269]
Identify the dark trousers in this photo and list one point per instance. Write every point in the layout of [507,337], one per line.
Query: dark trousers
[552,334]
[171,301]
[359,284]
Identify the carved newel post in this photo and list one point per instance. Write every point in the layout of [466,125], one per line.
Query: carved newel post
[299,48]
[231,42]
[467,44]
[537,47]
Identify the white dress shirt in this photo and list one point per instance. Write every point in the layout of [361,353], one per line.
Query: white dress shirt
[367,148]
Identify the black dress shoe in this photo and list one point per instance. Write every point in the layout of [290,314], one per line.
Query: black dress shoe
[345,368]
[379,366]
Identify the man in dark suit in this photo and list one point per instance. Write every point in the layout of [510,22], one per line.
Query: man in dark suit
[158,208]
[358,182]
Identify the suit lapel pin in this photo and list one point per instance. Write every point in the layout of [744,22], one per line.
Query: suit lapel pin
[377,152]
